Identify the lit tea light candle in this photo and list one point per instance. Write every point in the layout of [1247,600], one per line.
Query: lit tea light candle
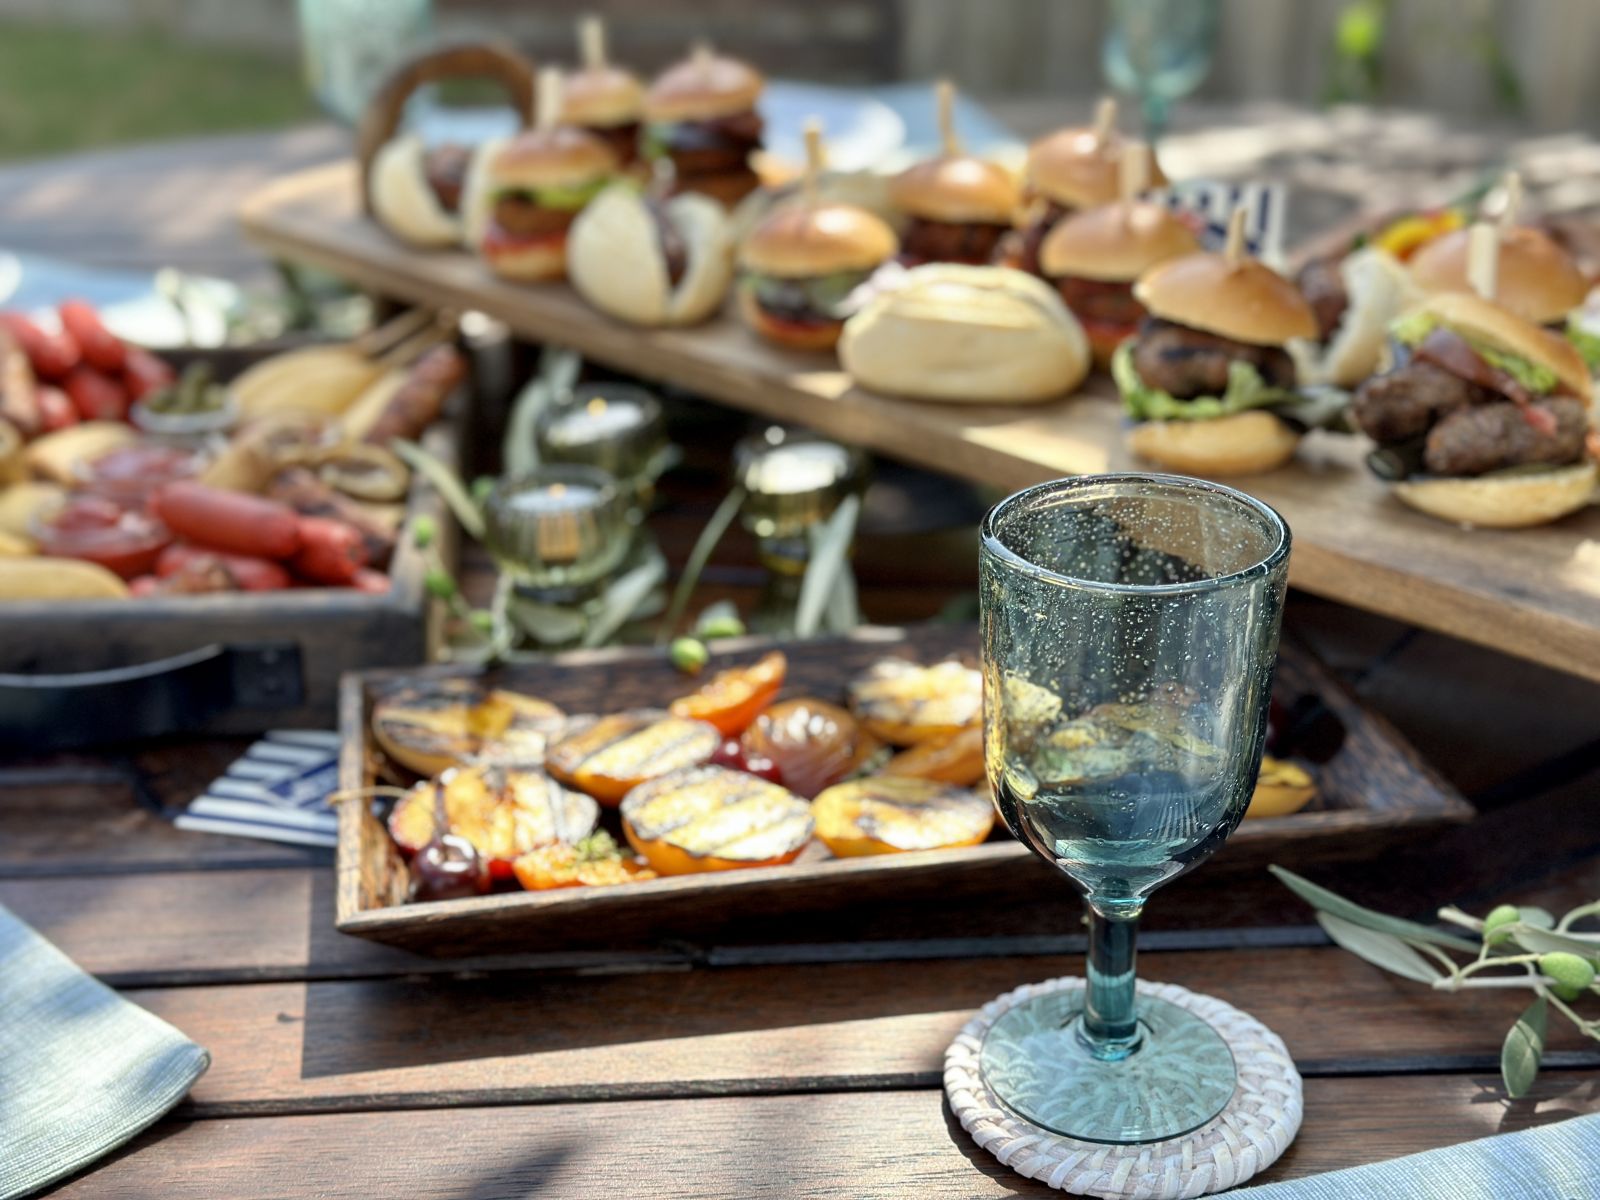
[564,526]
[794,480]
[614,426]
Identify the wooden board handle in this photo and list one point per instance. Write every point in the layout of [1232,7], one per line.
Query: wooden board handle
[475,60]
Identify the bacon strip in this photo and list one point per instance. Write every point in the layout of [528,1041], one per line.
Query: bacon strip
[1455,354]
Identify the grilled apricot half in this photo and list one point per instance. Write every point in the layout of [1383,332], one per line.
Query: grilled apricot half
[615,754]
[714,819]
[596,861]
[503,812]
[956,759]
[889,814]
[732,699]
[429,726]
[904,703]
[1281,788]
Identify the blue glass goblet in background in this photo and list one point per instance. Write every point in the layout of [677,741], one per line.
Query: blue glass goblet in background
[1130,628]
[1160,51]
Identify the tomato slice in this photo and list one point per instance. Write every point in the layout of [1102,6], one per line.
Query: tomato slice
[732,699]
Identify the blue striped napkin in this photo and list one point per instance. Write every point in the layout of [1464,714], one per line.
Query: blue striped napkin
[277,792]
[1553,1162]
[81,1069]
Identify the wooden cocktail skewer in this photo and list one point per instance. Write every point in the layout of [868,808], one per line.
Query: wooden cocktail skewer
[1511,185]
[1105,120]
[1233,249]
[945,96]
[815,161]
[1133,172]
[592,42]
[548,108]
[1483,258]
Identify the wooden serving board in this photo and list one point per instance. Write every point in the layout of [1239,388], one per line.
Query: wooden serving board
[1373,791]
[1530,593]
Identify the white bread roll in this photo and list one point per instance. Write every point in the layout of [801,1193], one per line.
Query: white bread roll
[1380,290]
[614,258]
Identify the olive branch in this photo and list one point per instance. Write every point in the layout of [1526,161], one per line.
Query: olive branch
[1512,948]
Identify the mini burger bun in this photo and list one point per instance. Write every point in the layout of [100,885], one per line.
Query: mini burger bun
[1115,242]
[1487,322]
[1077,168]
[403,201]
[1246,443]
[702,87]
[1380,290]
[1245,300]
[615,262]
[800,240]
[601,97]
[820,335]
[958,189]
[967,335]
[1535,277]
[558,156]
[1512,501]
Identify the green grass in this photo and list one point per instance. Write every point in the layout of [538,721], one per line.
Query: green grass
[64,89]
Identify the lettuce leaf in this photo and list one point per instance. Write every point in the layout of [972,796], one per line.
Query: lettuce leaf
[1586,341]
[566,197]
[1246,390]
[1413,328]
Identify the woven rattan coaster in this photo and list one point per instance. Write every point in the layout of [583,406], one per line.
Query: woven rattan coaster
[1248,1135]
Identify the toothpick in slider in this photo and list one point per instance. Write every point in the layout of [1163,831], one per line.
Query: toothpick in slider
[1233,249]
[815,160]
[1105,120]
[1511,207]
[547,110]
[1133,171]
[945,94]
[1483,258]
[592,41]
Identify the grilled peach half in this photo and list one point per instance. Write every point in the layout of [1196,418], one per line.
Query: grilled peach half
[889,814]
[611,756]
[503,812]
[956,759]
[714,819]
[1281,788]
[430,726]
[904,703]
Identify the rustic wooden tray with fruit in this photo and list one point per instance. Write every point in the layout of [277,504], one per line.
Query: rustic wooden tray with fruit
[603,796]
[204,541]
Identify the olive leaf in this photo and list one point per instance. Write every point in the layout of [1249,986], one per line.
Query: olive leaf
[704,546]
[445,482]
[1539,918]
[830,552]
[557,373]
[1325,901]
[1548,941]
[1524,1047]
[1380,949]
[623,597]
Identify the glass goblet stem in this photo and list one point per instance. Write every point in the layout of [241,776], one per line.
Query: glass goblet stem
[1110,1026]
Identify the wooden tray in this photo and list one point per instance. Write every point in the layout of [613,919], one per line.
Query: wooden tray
[1372,792]
[232,663]
[1529,593]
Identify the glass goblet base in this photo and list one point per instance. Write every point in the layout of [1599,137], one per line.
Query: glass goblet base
[1181,1075]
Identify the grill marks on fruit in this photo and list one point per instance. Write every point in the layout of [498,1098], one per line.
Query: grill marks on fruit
[904,703]
[430,726]
[618,752]
[888,814]
[503,813]
[716,813]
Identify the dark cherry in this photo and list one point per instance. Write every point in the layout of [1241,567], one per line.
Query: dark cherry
[448,867]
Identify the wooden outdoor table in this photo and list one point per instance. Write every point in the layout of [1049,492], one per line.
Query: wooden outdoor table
[788,1057]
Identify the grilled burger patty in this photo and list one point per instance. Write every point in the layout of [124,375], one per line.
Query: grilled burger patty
[1322,285]
[1186,363]
[950,241]
[1487,437]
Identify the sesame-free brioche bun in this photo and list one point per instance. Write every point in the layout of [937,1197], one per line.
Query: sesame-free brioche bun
[958,189]
[969,335]
[601,96]
[1536,278]
[558,156]
[1245,300]
[1115,242]
[1246,443]
[1077,168]
[1512,501]
[702,87]
[1486,322]
[801,239]
[797,335]
[1380,290]
[614,258]
[403,201]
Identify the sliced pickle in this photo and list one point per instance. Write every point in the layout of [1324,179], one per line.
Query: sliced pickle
[891,814]
[714,819]
[615,754]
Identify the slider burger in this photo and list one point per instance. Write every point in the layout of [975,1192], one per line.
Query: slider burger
[801,262]
[602,97]
[537,184]
[1094,256]
[1484,418]
[700,117]
[971,335]
[1536,279]
[1353,300]
[958,206]
[1208,365]
[1067,170]
[650,261]
[419,193]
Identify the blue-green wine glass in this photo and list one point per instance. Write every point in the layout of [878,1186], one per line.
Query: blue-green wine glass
[1130,627]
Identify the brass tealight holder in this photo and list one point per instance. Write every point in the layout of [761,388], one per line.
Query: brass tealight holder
[559,531]
[617,427]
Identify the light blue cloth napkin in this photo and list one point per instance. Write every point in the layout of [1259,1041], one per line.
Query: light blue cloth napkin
[1553,1162]
[81,1069]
